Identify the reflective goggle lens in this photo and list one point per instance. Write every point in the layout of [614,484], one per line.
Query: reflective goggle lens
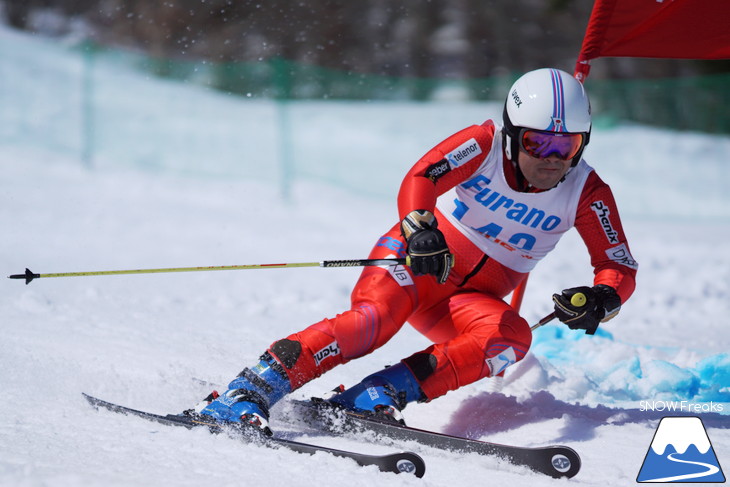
[546,144]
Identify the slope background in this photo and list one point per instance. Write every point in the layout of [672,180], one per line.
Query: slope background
[174,184]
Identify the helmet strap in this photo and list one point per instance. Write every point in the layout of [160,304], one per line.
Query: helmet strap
[522,184]
[507,145]
[510,142]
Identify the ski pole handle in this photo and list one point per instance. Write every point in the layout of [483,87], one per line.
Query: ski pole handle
[29,275]
[365,262]
[578,300]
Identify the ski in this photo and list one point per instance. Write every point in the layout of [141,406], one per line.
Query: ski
[556,461]
[403,462]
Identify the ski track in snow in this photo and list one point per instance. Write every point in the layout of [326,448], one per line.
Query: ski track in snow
[140,340]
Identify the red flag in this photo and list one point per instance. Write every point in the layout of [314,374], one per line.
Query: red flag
[679,29]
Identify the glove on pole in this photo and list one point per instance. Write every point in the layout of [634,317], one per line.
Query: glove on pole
[583,308]
[427,247]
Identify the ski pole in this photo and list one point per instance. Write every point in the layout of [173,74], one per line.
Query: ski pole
[577,299]
[29,275]
[547,319]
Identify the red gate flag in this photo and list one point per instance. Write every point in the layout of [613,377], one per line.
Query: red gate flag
[678,29]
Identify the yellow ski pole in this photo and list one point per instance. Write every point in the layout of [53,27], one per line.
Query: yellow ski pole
[29,275]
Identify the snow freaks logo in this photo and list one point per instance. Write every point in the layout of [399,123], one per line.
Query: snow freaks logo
[681,452]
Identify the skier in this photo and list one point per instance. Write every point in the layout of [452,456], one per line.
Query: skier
[477,213]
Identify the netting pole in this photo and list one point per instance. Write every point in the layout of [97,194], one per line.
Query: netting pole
[282,82]
[87,104]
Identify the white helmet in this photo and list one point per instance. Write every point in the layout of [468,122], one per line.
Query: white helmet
[546,100]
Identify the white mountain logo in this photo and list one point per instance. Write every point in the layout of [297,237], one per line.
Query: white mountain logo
[681,452]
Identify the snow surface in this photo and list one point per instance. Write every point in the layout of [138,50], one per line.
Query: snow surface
[161,342]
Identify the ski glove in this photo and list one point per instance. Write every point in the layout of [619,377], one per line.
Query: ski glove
[426,245]
[583,308]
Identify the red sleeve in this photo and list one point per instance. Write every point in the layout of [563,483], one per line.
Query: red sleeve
[599,225]
[434,174]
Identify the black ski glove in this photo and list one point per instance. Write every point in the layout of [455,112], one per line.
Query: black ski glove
[426,245]
[583,308]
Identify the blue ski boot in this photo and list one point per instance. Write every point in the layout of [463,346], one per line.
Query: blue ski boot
[249,396]
[383,394]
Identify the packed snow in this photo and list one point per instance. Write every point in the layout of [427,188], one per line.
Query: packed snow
[185,177]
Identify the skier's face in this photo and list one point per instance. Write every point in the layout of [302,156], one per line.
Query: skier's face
[543,173]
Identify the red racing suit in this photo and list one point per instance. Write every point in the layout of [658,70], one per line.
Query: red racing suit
[475,193]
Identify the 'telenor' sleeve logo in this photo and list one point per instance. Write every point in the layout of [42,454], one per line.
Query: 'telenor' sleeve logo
[464,153]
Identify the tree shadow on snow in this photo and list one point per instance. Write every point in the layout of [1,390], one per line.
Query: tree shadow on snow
[489,413]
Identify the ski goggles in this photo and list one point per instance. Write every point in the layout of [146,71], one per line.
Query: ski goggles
[546,144]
